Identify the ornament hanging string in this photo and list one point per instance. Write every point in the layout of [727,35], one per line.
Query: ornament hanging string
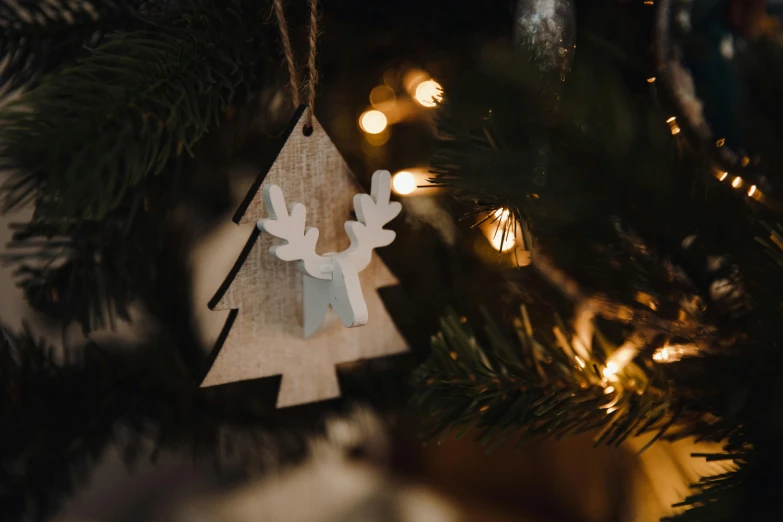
[312,80]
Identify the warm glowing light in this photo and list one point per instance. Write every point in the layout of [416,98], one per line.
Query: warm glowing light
[428,93]
[404,183]
[499,229]
[723,176]
[651,79]
[502,231]
[752,190]
[584,330]
[503,241]
[663,354]
[745,161]
[721,142]
[610,406]
[737,182]
[502,213]
[372,122]
[620,359]
[673,353]
[580,361]
[672,121]
[647,300]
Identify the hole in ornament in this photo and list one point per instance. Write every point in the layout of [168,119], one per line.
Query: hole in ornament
[307,130]
[358,452]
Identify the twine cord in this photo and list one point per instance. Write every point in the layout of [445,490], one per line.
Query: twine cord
[293,76]
[312,80]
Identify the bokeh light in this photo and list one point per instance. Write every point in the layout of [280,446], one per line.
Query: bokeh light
[502,213]
[382,94]
[373,122]
[501,243]
[404,183]
[428,93]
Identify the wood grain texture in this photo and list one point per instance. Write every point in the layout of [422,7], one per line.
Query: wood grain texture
[265,335]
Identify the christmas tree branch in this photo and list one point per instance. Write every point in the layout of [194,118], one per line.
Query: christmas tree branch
[96,148]
[37,37]
[92,275]
[98,128]
[540,387]
[622,213]
[721,497]
[62,412]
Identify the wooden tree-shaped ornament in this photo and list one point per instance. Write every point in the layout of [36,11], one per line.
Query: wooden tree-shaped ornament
[277,323]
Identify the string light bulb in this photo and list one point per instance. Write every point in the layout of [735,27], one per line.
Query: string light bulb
[723,175]
[503,241]
[651,79]
[672,121]
[404,183]
[670,353]
[736,182]
[428,93]
[663,355]
[620,359]
[752,190]
[501,235]
[373,122]
[611,369]
[502,214]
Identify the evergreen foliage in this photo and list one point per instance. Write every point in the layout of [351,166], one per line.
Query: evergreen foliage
[627,218]
[620,217]
[62,413]
[96,129]
[36,37]
[87,144]
[534,388]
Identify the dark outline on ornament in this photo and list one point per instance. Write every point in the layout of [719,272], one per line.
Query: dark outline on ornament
[240,212]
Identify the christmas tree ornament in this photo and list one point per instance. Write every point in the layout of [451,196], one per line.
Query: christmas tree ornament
[279,321]
[546,29]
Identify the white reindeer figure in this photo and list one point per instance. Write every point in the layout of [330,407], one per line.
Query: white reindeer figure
[332,279]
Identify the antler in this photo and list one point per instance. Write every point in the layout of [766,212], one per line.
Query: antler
[373,212]
[339,284]
[289,225]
